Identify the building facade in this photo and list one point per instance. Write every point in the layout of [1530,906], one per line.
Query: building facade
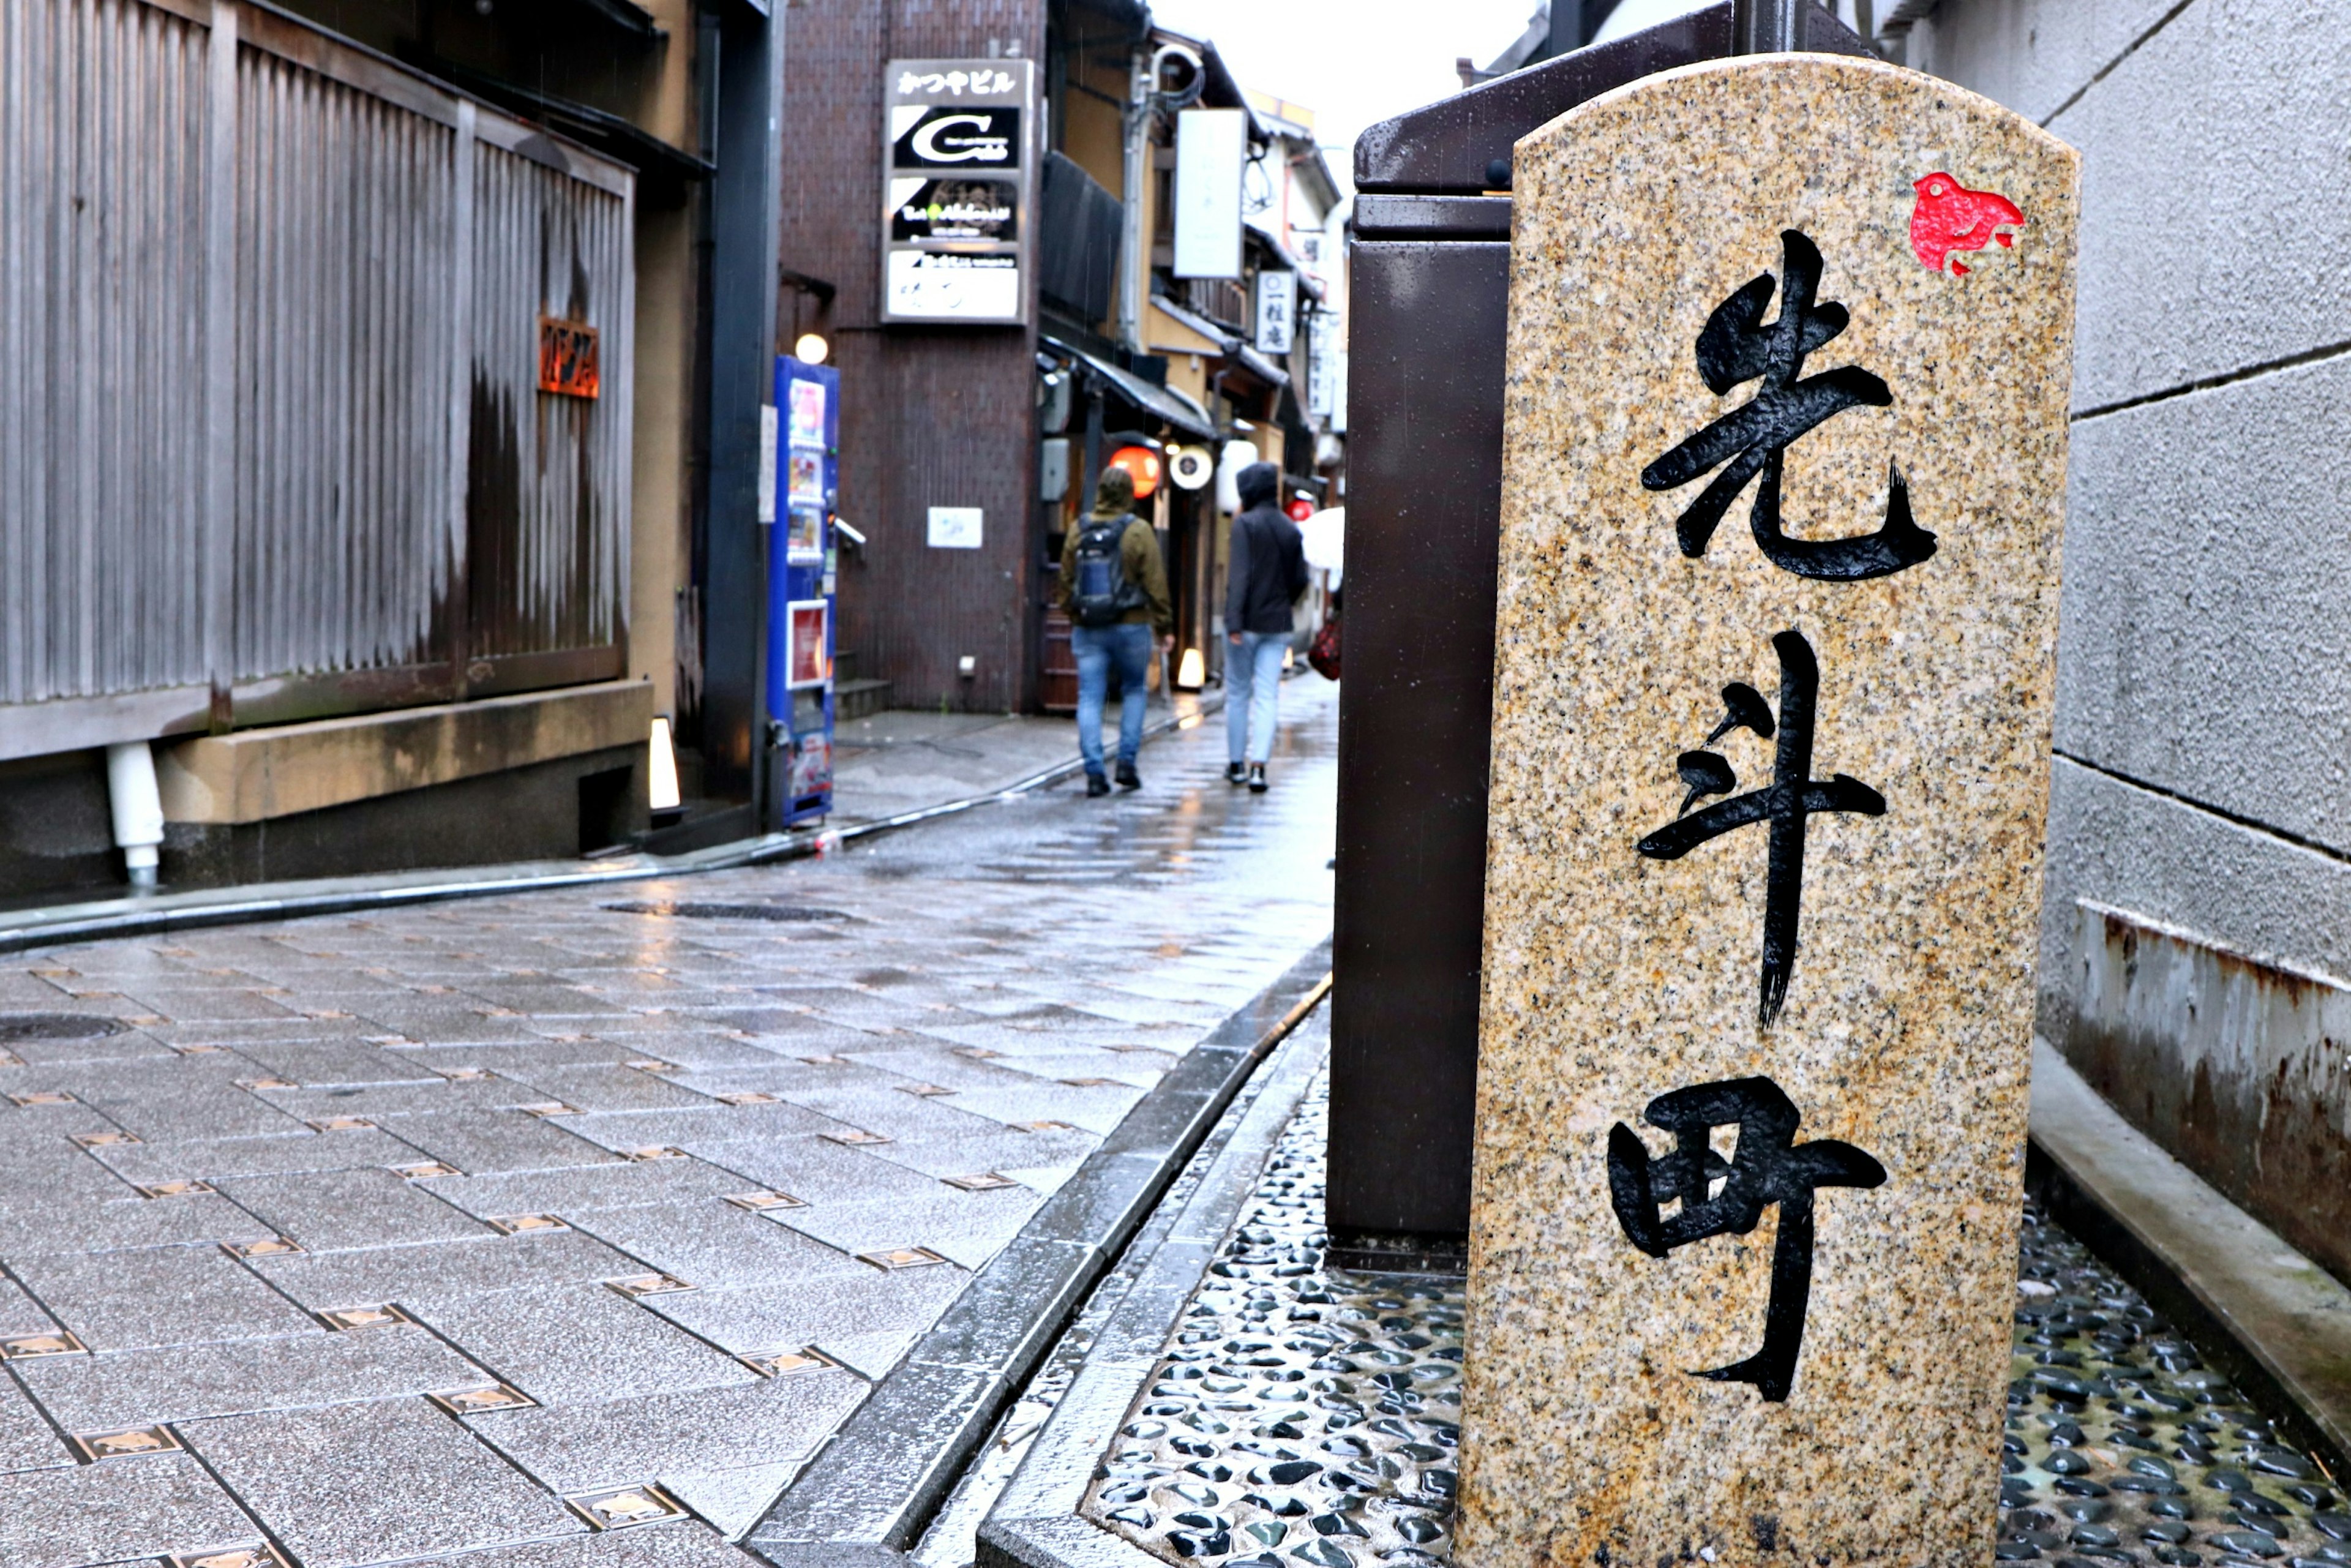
[369,427]
[1002,426]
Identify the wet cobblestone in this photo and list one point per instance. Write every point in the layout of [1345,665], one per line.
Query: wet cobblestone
[1308,1415]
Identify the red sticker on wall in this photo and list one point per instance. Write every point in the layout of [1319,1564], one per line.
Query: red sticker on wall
[1950,217]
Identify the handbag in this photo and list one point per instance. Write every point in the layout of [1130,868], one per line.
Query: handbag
[1322,654]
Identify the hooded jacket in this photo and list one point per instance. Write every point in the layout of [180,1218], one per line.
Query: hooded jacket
[1138,552]
[1267,569]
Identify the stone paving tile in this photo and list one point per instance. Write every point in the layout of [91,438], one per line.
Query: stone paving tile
[1002,1152]
[181,1382]
[712,1243]
[888,1109]
[731,1500]
[685,1544]
[421,1276]
[967,1227]
[53,1172]
[149,1296]
[774,1420]
[704,1122]
[332,1063]
[26,1441]
[271,1154]
[116,1512]
[130,1222]
[611,1088]
[481,1142]
[812,1169]
[374,1483]
[19,1313]
[329,1211]
[129,1046]
[428,1096]
[571,1345]
[584,1189]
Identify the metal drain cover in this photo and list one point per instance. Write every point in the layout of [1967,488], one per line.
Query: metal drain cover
[796,913]
[56,1026]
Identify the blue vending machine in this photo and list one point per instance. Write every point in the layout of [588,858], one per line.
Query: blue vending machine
[800,564]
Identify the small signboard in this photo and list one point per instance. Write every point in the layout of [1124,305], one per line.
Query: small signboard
[1211,146]
[955,528]
[1276,310]
[812,657]
[961,167]
[568,364]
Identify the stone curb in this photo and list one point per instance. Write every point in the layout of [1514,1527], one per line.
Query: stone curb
[2275,1322]
[867,1495]
[157,913]
[1036,1523]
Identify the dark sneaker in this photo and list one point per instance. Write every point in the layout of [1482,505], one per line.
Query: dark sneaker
[1096,785]
[1128,778]
[1257,778]
[1236,773]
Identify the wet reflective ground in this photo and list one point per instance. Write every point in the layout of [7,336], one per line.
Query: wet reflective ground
[434,1231]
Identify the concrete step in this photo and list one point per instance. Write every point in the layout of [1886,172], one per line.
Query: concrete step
[859,700]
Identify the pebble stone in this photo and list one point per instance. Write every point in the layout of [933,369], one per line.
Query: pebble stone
[1308,1415]
[1302,1415]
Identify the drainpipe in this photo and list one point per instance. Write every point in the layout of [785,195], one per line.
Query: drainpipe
[138,810]
[1145,100]
[1138,168]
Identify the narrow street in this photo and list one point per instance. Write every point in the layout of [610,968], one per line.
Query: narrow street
[439,1231]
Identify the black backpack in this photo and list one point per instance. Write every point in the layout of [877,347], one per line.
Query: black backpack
[1099,594]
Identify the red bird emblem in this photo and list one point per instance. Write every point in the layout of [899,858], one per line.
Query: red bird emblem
[1950,217]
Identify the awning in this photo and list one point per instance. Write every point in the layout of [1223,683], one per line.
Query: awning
[1165,402]
[1234,348]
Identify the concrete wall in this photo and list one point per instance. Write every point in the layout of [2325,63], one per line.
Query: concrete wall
[2203,732]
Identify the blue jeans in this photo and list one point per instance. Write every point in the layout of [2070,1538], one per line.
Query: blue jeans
[1252,689]
[1129,643]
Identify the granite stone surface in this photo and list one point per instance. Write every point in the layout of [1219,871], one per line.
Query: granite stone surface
[1854,923]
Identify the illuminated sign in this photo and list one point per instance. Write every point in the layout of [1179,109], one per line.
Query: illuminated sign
[960,168]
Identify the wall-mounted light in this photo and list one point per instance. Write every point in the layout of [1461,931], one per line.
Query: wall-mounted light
[811,349]
[660,772]
[1193,673]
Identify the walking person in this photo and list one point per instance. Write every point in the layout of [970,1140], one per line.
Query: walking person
[1265,575]
[1114,589]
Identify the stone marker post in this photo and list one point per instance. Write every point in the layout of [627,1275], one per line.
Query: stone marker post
[1785,468]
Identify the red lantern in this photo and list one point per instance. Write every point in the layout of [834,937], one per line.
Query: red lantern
[1141,466]
[1300,509]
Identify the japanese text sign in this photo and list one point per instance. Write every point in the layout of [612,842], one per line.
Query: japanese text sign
[1783,482]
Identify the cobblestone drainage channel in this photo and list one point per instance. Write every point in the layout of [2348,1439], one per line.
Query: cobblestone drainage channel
[1303,1416]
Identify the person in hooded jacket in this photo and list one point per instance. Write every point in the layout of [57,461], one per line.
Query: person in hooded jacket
[1147,624]
[1265,575]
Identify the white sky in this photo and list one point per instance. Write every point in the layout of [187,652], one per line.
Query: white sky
[1353,62]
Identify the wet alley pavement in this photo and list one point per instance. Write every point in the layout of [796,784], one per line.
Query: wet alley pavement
[485,1227]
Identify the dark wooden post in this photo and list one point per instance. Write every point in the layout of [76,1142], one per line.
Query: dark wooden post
[1431,271]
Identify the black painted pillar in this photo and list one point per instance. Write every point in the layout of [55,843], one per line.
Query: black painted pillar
[1430,297]
[746,196]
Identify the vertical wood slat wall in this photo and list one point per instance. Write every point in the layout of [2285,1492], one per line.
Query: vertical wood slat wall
[259,291]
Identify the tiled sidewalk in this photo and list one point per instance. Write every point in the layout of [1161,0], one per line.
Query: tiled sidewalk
[461,1228]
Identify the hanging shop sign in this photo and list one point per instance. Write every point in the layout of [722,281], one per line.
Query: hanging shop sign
[962,168]
[1276,310]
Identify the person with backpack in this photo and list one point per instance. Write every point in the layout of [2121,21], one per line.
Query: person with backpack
[1114,590]
[1266,574]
